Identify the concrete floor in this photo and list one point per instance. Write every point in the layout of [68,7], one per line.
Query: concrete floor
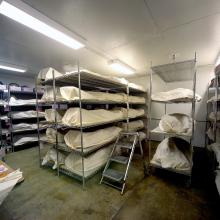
[43,195]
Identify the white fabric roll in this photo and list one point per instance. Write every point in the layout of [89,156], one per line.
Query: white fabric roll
[175,95]
[168,155]
[50,115]
[90,117]
[176,123]
[91,139]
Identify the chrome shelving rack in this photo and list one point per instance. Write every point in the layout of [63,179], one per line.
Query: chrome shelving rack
[82,80]
[172,73]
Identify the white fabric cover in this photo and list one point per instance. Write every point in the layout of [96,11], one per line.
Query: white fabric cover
[168,155]
[27,114]
[8,182]
[215,147]
[51,113]
[217,180]
[51,136]
[20,140]
[47,73]
[90,117]
[49,97]
[131,113]
[18,102]
[24,126]
[135,99]
[175,95]
[3,102]
[212,116]
[132,126]
[92,139]
[51,155]
[176,123]
[92,163]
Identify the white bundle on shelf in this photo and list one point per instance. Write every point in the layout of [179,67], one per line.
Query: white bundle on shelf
[28,138]
[19,102]
[27,114]
[48,95]
[24,126]
[90,117]
[51,114]
[92,163]
[210,134]
[175,95]
[212,116]
[92,139]
[47,73]
[131,113]
[176,123]
[215,147]
[133,125]
[51,136]
[169,155]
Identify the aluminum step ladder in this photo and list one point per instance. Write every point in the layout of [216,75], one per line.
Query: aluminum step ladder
[114,177]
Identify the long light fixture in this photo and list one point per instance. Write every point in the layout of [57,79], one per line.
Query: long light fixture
[121,67]
[26,15]
[10,68]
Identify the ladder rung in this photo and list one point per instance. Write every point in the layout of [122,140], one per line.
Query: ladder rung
[113,175]
[120,159]
[124,145]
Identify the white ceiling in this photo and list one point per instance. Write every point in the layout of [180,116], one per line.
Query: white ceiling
[136,32]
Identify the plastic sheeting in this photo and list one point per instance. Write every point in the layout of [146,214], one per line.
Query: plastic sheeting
[51,113]
[176,123]
[92,139]
[173,153]
[175,95]
[92,163]
[27,114]
[132,126]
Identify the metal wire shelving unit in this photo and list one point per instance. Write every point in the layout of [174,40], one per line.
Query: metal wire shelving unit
[87,81]
[173,72]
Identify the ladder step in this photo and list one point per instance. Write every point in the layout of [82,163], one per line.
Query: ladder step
[113,175]
[120,159]
[124,145]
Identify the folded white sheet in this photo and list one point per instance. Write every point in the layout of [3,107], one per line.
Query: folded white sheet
[51,114]
[176,123]
[90,117]
[132,126]
[27,114]
[92,139]
[175,95]
[93,162]
[168,155]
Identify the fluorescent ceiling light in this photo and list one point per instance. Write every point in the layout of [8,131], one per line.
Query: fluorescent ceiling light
[12,68]
[121,67]
[31,18]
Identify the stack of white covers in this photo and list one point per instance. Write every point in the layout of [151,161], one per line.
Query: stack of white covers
[176,123]
[132,126]
[91,140]
[169,155]
[50,115]
[27,114]
[92,163]
[175,95]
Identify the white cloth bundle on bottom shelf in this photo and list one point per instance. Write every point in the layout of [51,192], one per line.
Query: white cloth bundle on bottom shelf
[20,140]
[51,136]
[173,153]
[92,139]
[51,113]
[51,156]
[24,126]
[92,163]
[132,126]
[175,95]
[176,123]
[90,117]
[27,114]
[49,96]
